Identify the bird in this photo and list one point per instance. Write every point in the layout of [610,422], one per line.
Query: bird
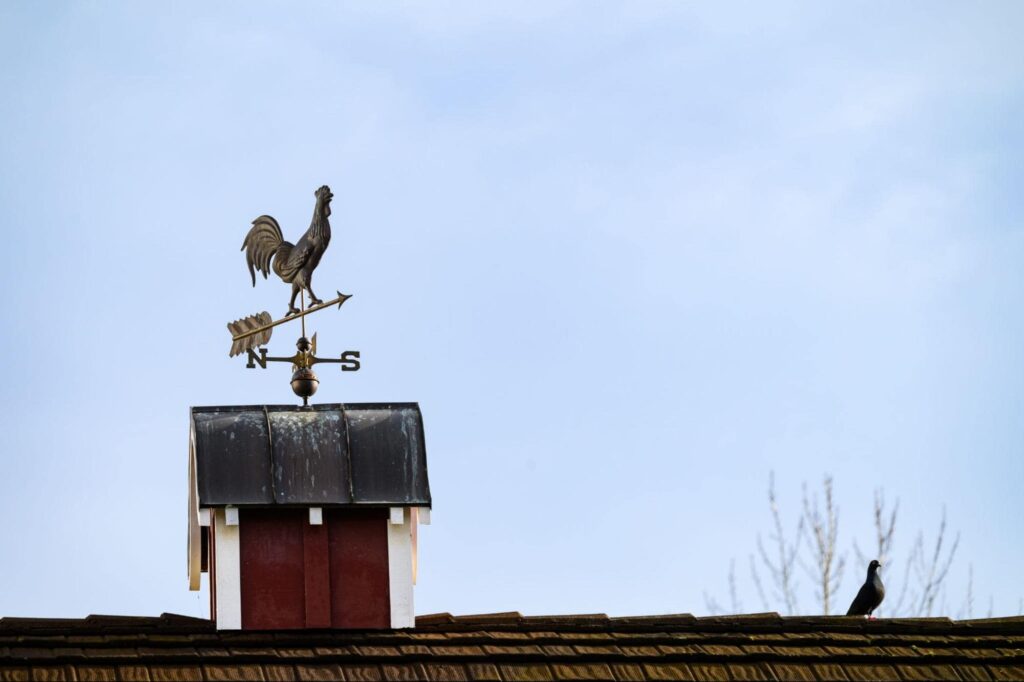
[293,263]
[871,593]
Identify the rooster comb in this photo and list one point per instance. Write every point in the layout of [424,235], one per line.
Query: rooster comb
[324,189]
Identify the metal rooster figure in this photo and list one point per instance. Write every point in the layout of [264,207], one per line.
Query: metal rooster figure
[294,264]
[266,249]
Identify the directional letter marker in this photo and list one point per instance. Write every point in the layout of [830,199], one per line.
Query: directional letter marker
[250,332]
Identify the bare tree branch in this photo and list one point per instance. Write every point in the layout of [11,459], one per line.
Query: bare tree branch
[885,529]
[737,606]
[757,583]
[781,569]
[814,545]
[931,572]
[907,595]
[967,610]
[825,566]
[712,606]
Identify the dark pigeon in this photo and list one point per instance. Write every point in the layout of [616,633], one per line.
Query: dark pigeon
[871,593]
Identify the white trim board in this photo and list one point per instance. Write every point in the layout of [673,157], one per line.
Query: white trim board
[400,572]
[228,567]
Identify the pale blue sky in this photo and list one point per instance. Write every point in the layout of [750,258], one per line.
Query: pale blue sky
[629,258]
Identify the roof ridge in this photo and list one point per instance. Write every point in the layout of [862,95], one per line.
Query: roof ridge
[517,619]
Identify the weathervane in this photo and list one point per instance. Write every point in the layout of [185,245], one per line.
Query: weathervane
[266,249]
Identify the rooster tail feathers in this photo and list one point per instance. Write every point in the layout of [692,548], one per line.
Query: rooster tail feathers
[261,244]
[282,267]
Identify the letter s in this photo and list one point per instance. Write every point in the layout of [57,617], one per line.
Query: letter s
[350,361]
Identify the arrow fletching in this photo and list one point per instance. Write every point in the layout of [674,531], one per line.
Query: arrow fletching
[244,334]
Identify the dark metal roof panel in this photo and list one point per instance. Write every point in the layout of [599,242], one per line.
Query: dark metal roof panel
[310,456]
[323,455]
[232,458]
[388,458]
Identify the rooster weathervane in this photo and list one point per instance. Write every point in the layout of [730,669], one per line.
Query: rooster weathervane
[266,250]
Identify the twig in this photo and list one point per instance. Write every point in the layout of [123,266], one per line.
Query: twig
[782,571]
[932,574]
[757,583]
[737,607]
[711,605]
[826,567]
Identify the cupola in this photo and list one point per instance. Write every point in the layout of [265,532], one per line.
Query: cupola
[306,517]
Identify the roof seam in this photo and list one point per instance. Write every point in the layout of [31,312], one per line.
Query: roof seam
[270,454]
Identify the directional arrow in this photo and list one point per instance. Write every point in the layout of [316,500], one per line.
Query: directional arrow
[254,330]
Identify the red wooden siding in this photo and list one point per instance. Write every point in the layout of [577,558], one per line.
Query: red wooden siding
[273,585]
[318,576]
[295,575]
[360,594]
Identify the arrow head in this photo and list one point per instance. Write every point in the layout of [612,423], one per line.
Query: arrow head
[342,298]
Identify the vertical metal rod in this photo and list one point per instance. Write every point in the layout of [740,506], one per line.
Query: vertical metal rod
[302,302]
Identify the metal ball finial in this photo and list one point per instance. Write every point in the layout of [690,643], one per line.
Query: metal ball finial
[304,384]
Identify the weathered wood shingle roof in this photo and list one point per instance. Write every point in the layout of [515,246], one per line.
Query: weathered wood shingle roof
[512,647]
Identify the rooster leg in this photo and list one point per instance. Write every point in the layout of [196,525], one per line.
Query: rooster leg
[313,300]
[292,310]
